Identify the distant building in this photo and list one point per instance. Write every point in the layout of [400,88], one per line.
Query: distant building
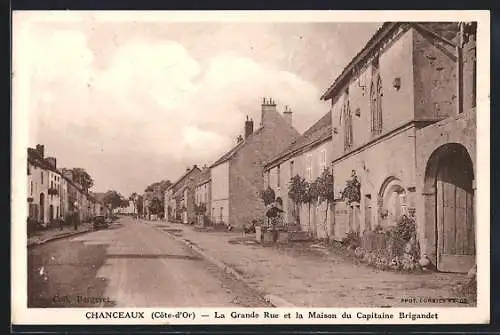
[203,192]
[236,177]
[180,196]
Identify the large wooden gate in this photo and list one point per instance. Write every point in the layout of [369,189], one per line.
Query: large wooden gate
[456,247]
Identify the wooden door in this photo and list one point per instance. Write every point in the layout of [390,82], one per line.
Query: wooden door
[456,247]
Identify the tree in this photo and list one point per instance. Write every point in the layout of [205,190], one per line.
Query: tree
[297,189]
[139,204]
[81,177]
[112,199]
[325,189]
[156,206]
[352,190]
[268,196]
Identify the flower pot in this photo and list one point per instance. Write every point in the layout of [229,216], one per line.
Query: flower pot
[268,238]
[258,234]
[282,237]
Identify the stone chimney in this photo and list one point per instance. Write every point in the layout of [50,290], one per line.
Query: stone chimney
[287,114]
[52,161]
[268,107]
[67,174]
[248,127]
[40,149]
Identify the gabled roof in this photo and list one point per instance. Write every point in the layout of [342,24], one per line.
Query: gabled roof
[317,133]
[228,155]
[444,30]
[194,168]
[376,38]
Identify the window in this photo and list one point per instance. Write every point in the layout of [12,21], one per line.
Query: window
[291,169]
[376,100]
[41,177]
[268,178]
[309,168]
[347,123]
[278,176]
[31,188]
[322,160]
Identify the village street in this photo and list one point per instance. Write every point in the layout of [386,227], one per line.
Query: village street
[139,263]
[130,264]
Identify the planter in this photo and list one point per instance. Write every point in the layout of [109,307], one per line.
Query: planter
[258,234]
[267,238]
[283,237]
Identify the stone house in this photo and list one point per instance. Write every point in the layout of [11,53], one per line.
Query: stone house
[180,196]
[44,202]
[203,191]
[237,175]
[403,122]
[308,156]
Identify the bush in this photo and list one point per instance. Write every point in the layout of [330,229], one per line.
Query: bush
[352,240]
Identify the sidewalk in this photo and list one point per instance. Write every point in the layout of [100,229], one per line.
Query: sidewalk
[44,236]
[307,278]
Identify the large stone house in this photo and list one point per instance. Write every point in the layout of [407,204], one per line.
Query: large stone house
[308,156]
[236,177]
[180,196]
[403,122]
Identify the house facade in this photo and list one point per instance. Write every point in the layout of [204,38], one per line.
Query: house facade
[402,117]
[307,157]
[236,177]
[52,193]
[180,196]
[203,191]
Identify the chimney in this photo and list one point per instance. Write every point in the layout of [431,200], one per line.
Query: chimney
[268,106]
[248,127]
[239,139]
[68,174]
[52,161]
[40,149]
[287,114]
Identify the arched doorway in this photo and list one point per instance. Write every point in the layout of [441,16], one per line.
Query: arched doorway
[450,173]
[393,202]
[42,207]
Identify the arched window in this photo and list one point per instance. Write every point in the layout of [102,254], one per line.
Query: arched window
[376,93]
[347,125]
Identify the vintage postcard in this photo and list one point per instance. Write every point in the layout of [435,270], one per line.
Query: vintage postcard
[314,167]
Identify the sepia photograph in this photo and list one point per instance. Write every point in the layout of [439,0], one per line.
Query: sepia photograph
[248,161]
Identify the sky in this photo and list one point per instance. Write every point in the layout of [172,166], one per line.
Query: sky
[135,102]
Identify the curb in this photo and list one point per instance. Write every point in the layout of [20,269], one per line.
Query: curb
[54,238]
[270,298]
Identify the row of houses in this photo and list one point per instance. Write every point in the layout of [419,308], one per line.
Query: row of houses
[53,194]
[402,121]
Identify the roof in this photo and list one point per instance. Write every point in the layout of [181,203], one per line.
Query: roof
[228,155]
[376,38]
[184,176]
[204,177]
[35,159]
[318,132]
[444,30]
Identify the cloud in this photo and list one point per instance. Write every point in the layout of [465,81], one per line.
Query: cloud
[156,100]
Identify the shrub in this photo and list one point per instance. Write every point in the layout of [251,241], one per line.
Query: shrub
[352,240]
[268,196]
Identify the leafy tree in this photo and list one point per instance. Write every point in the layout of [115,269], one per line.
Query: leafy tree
[139,204]
[352,190]
[297,192]
[156,206]
[112,199]
[268,196]
[83,178]
[325,189]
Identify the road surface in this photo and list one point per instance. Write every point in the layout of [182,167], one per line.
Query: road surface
[132,264]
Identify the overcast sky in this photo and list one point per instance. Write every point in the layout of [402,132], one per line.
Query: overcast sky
[138,102]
